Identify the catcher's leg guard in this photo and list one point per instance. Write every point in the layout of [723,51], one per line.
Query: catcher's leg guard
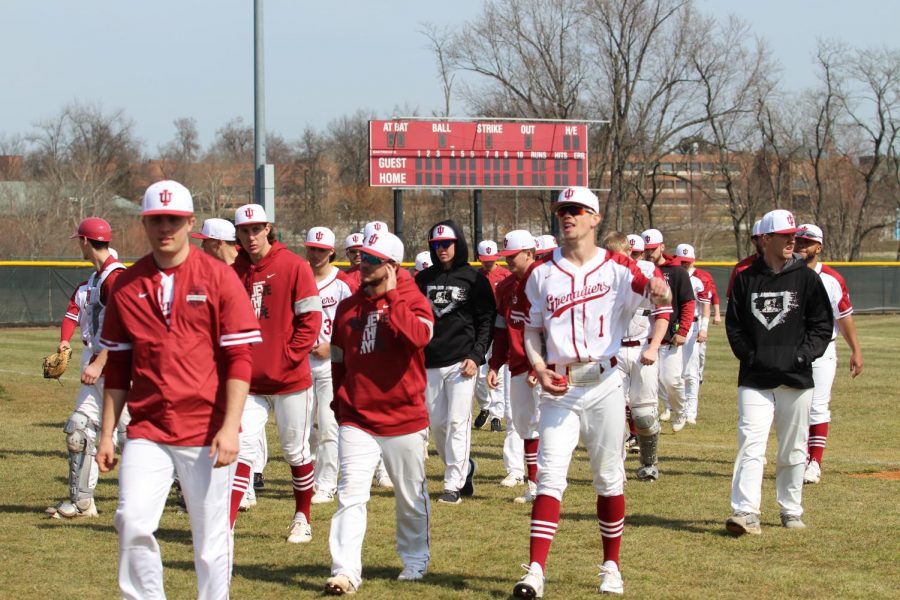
[81,435]
[646,421]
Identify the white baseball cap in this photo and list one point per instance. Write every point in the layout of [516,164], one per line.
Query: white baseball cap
[250,214]
[652,238]
[384,245]
[544,244]
[581,196]
[755,231]
[442,232]
[167,197]
[374,227]
[215,229]
[778,221]
[516,241]
[487,250]
[320,237]
[423,260]
[354,240]
[636,242]
[809,231]
[685,252]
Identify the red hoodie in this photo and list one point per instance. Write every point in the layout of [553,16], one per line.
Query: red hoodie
[286,300]
[509,332]
[378,360]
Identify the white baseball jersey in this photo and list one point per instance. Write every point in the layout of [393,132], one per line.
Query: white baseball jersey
[701,294]
[639,326]
[584,310]
[332,290]
[837,294]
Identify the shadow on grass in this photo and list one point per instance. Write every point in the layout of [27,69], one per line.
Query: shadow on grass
[50,424]
[22,509]
[714,526]
[4,452]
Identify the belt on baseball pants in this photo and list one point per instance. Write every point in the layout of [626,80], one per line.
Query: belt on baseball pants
[631,343]
[586,373]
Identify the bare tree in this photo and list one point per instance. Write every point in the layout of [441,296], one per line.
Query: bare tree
[234,142]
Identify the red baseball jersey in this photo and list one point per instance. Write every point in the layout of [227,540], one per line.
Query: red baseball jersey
[352,274]
[378,360]
[286,301]
[178,366]
[497,275]
[509,328]
[710,284]
[838,294]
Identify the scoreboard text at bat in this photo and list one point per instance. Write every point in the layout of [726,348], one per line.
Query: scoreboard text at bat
[477,154]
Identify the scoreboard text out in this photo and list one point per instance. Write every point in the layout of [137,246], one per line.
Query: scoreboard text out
[477,154]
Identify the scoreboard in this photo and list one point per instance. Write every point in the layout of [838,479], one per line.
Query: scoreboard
[406,153]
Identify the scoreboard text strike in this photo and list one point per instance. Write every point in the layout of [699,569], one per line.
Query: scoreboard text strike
[477,154]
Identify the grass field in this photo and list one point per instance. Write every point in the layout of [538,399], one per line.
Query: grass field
[674,544]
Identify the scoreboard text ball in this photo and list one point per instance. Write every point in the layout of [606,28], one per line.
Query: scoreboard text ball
[477,154]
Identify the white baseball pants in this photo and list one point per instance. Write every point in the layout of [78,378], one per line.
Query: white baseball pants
[404,459]
[524,405]
[145,476]
[293,415]
[513,446]
[327,427]
[448,398]
[596,414]
[824,369]
[640,383]
[690,355]
[789,408]
[671,381]
[490,400]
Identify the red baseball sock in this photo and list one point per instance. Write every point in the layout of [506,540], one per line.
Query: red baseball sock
[818,435]
[239,486]
[631,428]
[544,521]
[302,477]
[611,514]
[531,452]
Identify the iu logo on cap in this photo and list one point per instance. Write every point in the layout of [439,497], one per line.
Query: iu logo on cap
[569,193]
[440,230]
[248,212]
[790,220]
[377,226]
[631,242]
[684,251]
[372,239]
[319,236]
[647,238]
[165,197]
[505,244]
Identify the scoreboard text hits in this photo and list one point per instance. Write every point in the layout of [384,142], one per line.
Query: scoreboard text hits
[477,154]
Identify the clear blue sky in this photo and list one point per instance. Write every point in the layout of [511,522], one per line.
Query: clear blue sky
[166,59]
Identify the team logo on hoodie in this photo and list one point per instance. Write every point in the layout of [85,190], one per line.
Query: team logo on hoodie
[772,308]
[445,298]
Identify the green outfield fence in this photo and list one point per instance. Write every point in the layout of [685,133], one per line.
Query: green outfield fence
[37,292]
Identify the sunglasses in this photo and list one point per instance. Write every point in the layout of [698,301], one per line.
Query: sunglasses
[442,244]
[571,209]
[370,259]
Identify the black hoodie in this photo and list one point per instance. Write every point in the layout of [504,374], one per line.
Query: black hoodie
[463,305]
[778,324]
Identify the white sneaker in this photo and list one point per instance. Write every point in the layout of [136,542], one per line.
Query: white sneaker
[512,480]
[385,482]
[611,579]
[665,415]
[411,573]
[322,497]
[813,473]
[73,510]
[300,532]
[339,585]
[692,420]
[246,503]
[679,422]
[532,584]
[528,496]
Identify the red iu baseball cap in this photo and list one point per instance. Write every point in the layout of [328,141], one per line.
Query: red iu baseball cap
[94,228]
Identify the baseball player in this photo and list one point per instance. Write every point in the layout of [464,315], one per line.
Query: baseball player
[377,350]
[716,317]
[809,246]
[581,300]
[637,360]
[491,402]
[94,235]
[778,322]
[699,331]
[333,287]
[544,246]
[755,239]
[508,350]
[464,309]
[671,356]
[178,328]
[286,301]
[352,246]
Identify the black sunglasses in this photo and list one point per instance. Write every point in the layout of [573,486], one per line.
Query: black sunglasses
[370,259]
[442,244]
[571,209]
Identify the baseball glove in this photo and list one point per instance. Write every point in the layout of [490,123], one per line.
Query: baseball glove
[55,364]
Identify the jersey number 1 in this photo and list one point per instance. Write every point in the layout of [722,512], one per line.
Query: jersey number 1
[601,326]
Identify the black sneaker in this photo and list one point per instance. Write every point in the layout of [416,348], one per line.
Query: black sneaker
[450,497]
[258,482]
[180,504]
[481,419]
[496,425]
[468,488]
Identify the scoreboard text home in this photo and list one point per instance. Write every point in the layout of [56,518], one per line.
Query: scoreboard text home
[477,154]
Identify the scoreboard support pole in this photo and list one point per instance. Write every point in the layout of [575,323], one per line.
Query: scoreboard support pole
[476,219]
[554,222]
[398,213]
